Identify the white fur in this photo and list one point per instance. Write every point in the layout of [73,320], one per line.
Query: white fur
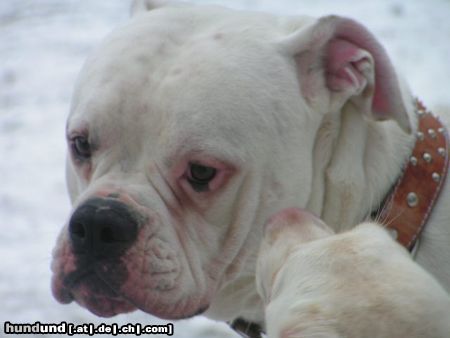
[359,283]
[194,83]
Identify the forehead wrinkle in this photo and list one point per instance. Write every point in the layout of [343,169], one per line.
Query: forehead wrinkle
[194,146]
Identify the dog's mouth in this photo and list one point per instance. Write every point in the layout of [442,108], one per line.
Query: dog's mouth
[104,289]
[91,291]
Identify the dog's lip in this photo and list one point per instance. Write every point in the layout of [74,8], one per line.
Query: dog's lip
[77,287]
[61,293]
[101,305]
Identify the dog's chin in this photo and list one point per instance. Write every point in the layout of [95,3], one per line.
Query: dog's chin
[102,306]
[94,294]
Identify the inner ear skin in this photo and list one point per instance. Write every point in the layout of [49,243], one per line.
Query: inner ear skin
[344,66]
[348,48]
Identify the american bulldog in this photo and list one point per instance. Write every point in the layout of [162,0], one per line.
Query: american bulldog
[191,125]
[314,286]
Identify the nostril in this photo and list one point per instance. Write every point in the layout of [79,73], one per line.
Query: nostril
[78,230]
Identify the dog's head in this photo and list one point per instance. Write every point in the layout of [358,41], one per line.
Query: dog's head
[188,128]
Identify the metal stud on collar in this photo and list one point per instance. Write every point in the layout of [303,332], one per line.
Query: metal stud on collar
[420,112]
[432,133]
[436,177]
[412,199]
[427,157]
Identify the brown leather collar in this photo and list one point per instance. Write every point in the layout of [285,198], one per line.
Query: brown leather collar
[408,206]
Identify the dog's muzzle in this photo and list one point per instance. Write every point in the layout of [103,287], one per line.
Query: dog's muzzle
[101,228]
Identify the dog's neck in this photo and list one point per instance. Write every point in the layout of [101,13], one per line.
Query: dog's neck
[356,161]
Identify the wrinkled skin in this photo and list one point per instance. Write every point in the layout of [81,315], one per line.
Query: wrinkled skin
[249,95]
[149,111]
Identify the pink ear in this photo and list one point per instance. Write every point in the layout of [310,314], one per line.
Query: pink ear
[345,63]
[351,39]
[356,64]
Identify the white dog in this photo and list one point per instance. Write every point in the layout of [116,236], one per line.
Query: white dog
[191,125]
[314,285]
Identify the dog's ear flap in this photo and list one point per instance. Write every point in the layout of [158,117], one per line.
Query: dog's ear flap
[139,6]
[341,56]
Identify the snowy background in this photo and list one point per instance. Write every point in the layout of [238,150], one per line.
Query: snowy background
[43,44]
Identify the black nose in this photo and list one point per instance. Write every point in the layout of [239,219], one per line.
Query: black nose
[102,228]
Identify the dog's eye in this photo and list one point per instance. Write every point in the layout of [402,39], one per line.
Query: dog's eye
[81,147]
[199,176]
